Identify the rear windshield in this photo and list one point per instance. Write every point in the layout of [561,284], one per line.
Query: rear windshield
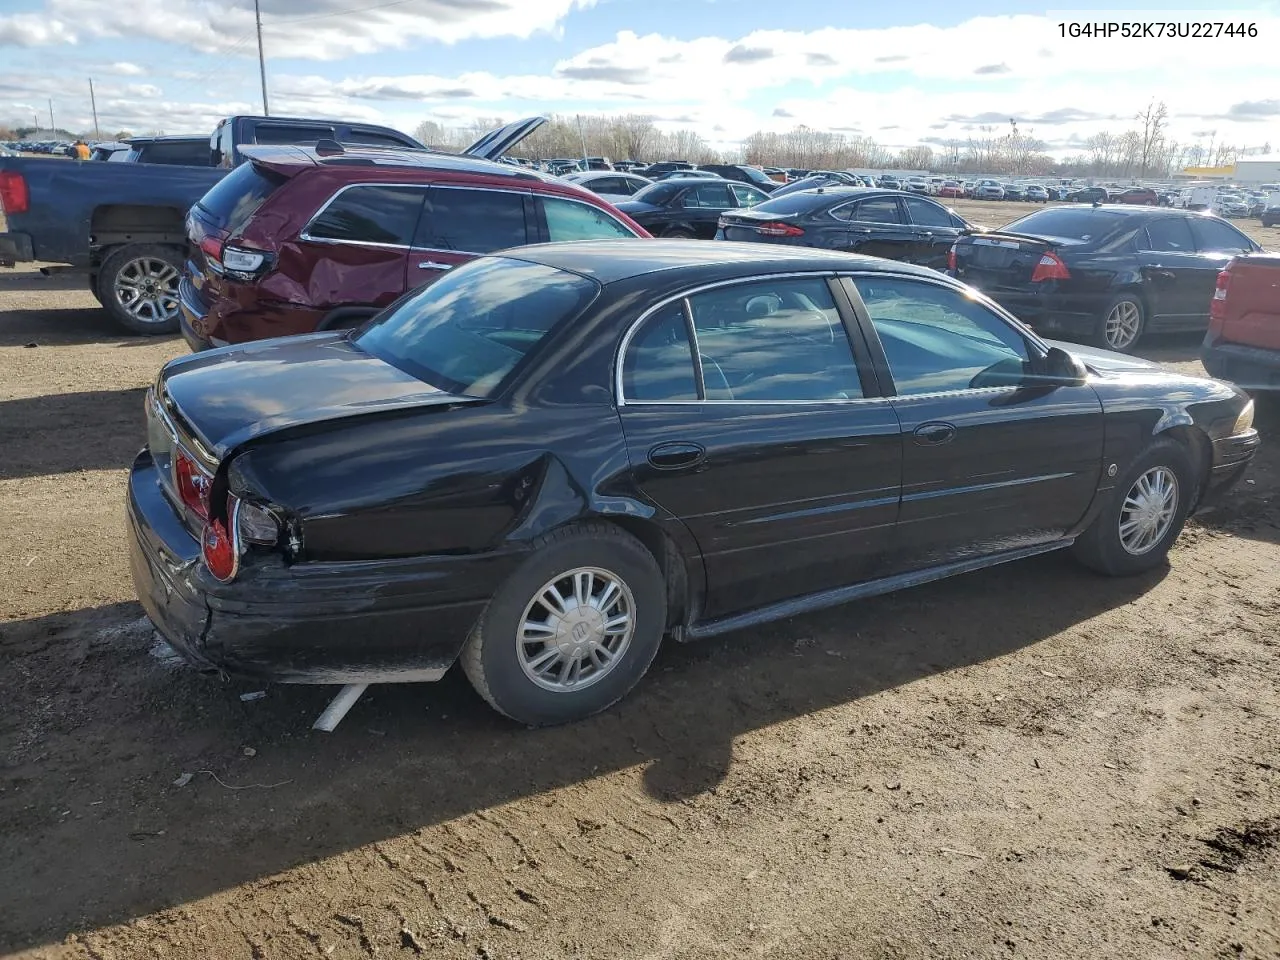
[467,331]
[233,199]
[1066,223]
[801,201]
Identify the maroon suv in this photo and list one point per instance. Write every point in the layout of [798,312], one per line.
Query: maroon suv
[301,239]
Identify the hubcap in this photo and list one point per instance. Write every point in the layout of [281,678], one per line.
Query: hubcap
[576,629]
[147,288]
[1122,324]
[1148,510]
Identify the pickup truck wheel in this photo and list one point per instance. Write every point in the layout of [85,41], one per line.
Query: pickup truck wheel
[138,286]
[572,630]
[1143,514]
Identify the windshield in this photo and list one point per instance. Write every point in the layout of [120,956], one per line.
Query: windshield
[467,331]
[1066,223]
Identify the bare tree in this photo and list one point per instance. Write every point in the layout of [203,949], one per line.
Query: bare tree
[1154,120]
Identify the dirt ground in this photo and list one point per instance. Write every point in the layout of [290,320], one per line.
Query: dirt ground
[1030,761]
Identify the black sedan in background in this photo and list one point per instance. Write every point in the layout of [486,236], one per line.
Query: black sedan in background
[1106,275]
[688,207]
[870,220]
[548,460]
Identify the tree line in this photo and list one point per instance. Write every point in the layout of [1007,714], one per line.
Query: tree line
[1144,150]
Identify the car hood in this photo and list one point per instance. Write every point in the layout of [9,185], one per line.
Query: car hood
[235,394]
[1106,361]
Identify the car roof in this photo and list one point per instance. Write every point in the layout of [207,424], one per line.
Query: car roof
[170,138]
[610,261]
[402,158]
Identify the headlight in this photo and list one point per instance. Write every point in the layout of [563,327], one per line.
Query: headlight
[1245,421]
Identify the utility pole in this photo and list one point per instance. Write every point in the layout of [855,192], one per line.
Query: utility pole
[94,102]
[262,61]
[52,128]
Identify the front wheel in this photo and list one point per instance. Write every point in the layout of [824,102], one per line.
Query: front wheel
[1122,324]
[138,286]
[572,630]
[1143,515]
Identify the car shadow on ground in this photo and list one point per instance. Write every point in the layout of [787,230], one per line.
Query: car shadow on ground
[34,440]
[119,840]
[1170,347]
[66,326]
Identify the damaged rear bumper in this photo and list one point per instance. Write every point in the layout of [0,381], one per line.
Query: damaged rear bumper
[359,622]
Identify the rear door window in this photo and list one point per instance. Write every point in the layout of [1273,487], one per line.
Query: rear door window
[1215,236]
[923,213]
[713,196]
[467,220]
[571,220]
[1168,234]
[878,210]
[747,196]
[369,213]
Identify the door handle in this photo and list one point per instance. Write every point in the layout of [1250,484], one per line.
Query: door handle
[676,455]
[927,233]
[433,265]
[861,229]
[934,433]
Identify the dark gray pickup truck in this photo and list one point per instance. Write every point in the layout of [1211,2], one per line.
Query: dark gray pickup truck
[122,223]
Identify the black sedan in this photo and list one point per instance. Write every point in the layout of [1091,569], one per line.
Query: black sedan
[687,207]
[870,220]
[1089,195]
[1107,275]
[550,459]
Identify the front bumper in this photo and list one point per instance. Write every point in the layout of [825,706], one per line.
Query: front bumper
[354,622]
[1231,458]
[1252,368]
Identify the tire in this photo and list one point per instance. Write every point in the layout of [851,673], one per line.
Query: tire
[678,233]
[1102,548]
[498,664]
[1117,329]
[151,269]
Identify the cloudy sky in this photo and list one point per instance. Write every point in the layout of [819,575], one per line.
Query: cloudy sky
[902,73]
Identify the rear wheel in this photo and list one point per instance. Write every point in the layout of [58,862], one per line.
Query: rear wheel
[1144,513]
[138,286]
[1122,323]
[679,233]
[572,630]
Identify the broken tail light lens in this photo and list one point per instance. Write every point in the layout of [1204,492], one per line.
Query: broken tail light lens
[951,258]
[218,545]
[257,524]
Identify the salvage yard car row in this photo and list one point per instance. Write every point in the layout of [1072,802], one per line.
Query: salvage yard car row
[465,411]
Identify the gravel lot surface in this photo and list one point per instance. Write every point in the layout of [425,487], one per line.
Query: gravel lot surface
[1030,761]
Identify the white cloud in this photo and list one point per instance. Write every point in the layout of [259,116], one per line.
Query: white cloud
[301,29]
[126,69]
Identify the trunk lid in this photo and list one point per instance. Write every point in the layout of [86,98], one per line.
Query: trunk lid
[996,261]
[745,224]
[226,397]
[497,142]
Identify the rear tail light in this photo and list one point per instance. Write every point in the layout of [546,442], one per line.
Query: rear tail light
[951,258]
[779,230]
[193,485]
[1218,305]
[211,247]
[218,545]
[1050,267]
[222,541]
[14,197]
[241,263]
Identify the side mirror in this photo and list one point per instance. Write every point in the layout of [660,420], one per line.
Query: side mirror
[1065,369]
